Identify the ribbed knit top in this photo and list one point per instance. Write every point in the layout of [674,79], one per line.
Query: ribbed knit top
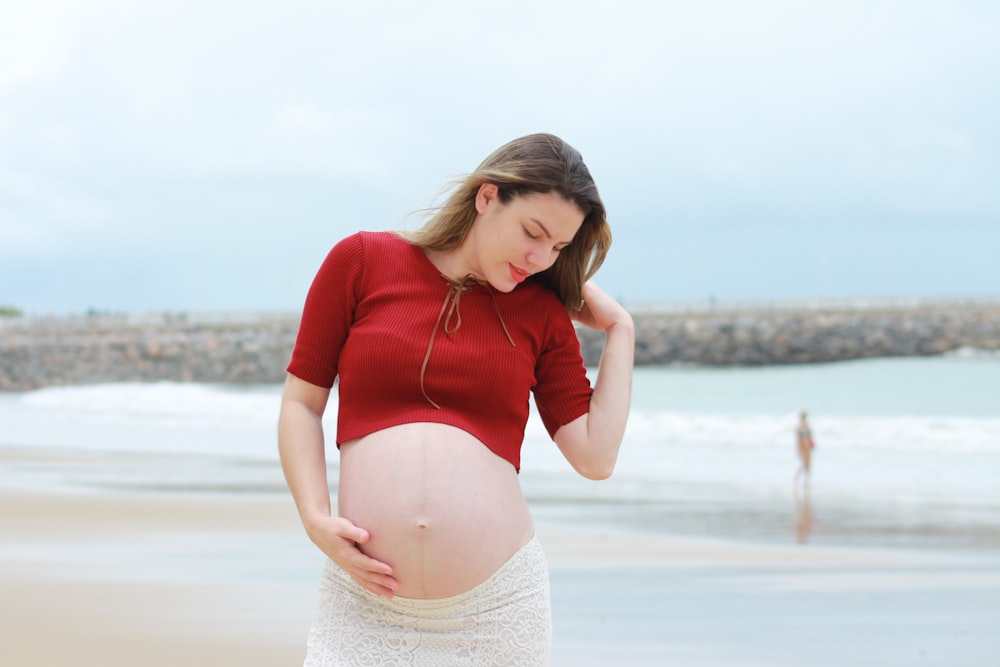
[409,345]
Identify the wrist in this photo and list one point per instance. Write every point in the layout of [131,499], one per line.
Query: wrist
[623,324]
[312,520]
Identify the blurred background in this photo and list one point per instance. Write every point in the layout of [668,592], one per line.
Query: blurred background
[806,215]
[790,185]
[205,155]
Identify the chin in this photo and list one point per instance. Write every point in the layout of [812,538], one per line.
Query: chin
[498,281]
[505,286]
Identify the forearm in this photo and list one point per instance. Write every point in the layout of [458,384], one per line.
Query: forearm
[303,460]
[612,397]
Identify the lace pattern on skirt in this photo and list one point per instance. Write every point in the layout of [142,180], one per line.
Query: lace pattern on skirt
[506,620]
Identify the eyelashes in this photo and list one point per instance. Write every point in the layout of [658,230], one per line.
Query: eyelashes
[535,237]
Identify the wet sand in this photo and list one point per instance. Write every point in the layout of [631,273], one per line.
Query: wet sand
[106,578]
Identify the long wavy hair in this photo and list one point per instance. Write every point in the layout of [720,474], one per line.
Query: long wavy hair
[539,163]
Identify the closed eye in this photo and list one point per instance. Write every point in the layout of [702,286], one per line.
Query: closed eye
[535,237]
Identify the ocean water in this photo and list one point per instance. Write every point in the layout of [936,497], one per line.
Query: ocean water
[908,450]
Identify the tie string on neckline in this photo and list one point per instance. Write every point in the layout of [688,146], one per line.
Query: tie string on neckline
[452,301]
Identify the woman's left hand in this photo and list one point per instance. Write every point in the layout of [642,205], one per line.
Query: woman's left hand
[600,311]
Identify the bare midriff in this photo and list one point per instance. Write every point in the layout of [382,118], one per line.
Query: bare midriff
[441,508]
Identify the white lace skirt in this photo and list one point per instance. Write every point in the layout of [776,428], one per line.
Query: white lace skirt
[505,620]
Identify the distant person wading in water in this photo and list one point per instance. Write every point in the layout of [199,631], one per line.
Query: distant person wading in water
[804,447]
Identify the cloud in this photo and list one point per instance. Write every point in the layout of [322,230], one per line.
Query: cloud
[149,129]
[35,39]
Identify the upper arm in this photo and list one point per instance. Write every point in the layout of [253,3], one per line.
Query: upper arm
[562,390]
[328,313]
[310,396]
[571,439]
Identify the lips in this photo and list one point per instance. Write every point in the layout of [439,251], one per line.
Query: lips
[518,275]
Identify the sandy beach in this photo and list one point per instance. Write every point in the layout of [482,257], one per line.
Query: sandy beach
[110,578]
[149,524]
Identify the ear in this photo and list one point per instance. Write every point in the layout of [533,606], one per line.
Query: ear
[488,193]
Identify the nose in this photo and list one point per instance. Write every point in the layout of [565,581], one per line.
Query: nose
[539,259]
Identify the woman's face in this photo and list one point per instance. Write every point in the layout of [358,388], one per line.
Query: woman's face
[515,240]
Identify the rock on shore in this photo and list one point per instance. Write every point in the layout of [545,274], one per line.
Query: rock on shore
[40,352]
[91,350]
[795,335]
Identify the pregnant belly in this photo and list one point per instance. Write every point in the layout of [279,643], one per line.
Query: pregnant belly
[441,508]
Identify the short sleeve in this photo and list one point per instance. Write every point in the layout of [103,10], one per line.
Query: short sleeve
[328,313]
[563,391]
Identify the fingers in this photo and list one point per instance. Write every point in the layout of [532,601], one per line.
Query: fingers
[374,575]
[590,289]
[600,310]
[346,530]
[379,584]
[365,563]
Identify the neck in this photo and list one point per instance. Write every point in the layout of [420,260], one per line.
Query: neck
[453,265]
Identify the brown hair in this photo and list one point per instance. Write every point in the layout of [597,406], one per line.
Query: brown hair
[540,163]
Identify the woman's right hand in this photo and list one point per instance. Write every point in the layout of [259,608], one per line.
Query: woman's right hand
[341,540]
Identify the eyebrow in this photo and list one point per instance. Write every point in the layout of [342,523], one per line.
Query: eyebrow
[546,230]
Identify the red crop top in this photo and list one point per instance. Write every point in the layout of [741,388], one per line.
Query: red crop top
[408,345]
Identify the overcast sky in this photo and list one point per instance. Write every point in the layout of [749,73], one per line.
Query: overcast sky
[205,155]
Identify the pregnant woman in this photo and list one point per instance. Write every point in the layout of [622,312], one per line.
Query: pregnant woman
[437,338]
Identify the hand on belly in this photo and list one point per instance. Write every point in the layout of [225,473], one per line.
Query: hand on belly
[441,509]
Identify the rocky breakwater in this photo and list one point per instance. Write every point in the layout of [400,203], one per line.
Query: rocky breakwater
[40,352]
[792,335]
